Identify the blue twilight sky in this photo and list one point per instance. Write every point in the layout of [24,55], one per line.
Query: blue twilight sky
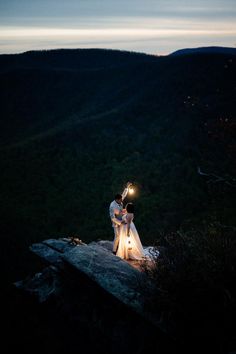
[151,26]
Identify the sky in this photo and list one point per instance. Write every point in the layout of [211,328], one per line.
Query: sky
[150,26]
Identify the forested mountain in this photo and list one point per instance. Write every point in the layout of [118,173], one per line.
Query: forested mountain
[76,125]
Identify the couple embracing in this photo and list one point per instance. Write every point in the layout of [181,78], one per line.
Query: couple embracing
[126,242]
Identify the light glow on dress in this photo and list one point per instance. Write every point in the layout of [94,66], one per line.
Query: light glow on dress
[129,243]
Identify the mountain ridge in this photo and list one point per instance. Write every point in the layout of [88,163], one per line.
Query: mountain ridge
[205,50]
[72,59]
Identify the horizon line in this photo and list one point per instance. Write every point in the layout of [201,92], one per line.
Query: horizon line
[116,49]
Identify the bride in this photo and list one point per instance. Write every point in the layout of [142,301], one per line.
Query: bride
[130,246]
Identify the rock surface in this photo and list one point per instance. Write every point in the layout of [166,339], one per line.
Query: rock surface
[113,274]
[43,284]
[120,278]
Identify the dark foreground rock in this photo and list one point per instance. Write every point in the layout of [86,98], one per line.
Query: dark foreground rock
[94,300]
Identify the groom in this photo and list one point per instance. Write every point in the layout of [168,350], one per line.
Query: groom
[115,211]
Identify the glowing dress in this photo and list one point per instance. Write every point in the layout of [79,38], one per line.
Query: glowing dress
[130,247]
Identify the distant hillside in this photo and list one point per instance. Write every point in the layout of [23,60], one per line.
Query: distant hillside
[206,50]
[72,59]
[77,124]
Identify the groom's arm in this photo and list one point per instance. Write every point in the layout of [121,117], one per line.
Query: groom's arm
[125,191]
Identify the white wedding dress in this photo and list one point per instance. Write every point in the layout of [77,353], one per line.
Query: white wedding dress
[130,247]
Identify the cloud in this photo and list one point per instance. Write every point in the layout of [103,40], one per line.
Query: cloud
[158,38]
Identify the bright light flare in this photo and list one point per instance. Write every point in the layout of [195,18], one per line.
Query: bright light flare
[131,190]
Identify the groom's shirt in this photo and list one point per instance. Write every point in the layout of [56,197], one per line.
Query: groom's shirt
[115,210]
